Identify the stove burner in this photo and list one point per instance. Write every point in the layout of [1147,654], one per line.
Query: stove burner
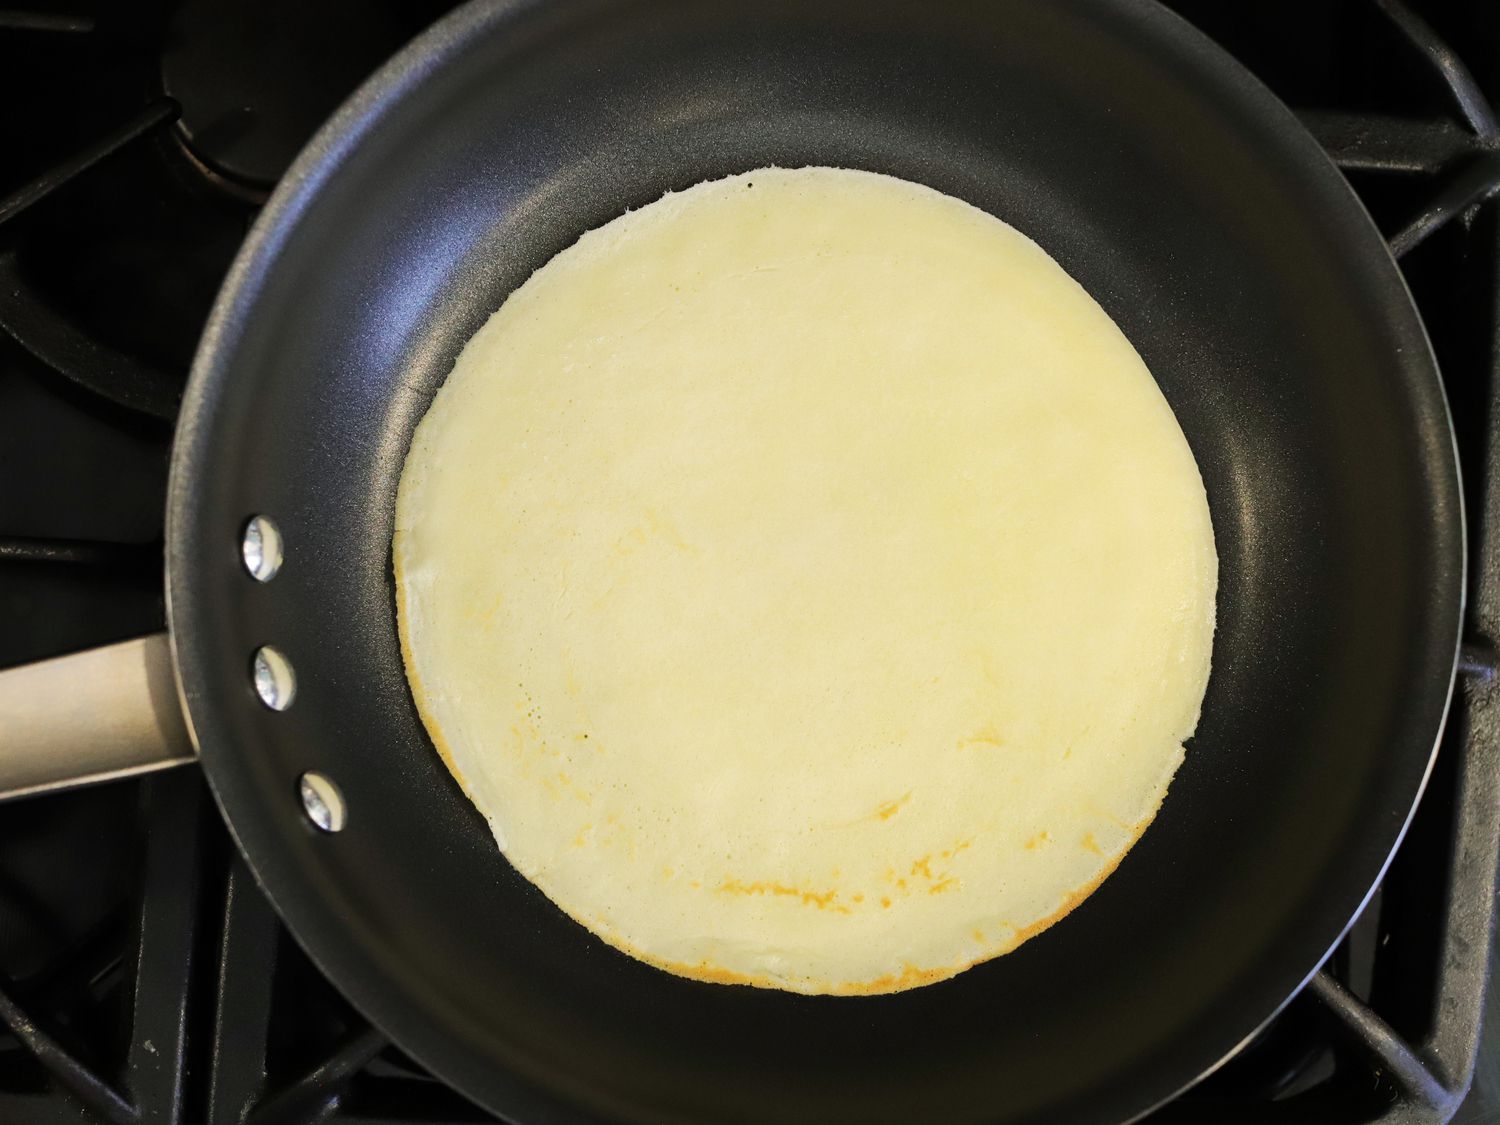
[256,78]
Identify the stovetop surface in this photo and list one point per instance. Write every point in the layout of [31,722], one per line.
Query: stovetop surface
[144,977]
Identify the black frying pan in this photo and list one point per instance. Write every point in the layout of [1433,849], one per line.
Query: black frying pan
[1185,199]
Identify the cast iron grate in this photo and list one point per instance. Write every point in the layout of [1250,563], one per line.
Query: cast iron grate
[187,1001]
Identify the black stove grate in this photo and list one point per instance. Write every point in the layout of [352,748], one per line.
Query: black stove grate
[163,989]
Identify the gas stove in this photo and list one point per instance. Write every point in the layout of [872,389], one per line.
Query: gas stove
[143,977]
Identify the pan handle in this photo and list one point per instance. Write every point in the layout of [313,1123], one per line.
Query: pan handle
[92,716]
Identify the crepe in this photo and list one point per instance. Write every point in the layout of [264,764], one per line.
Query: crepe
[808,582]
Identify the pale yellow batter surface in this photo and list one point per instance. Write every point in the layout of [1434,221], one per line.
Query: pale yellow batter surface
[808,582]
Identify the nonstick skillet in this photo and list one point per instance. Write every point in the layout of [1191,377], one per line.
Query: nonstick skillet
[1174,187]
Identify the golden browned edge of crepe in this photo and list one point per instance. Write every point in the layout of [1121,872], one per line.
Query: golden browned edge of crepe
[910,976]
[418,691]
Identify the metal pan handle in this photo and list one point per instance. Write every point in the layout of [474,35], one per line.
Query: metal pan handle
[92,716]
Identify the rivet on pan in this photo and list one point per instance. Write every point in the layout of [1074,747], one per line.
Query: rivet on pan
[322,801]
[261,548]
[275,680]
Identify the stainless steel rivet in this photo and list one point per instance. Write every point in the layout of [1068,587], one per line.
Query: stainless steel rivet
[260,548]
[275,679]
[322,801]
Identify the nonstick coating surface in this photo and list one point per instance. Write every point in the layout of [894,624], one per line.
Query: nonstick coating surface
[1182,196]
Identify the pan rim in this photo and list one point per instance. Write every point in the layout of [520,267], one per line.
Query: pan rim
[358,977]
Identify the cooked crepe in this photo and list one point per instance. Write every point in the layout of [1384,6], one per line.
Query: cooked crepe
[808,582]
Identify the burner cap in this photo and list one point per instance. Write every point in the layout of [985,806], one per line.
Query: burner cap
[257,77]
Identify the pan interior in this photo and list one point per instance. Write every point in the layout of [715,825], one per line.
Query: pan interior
[1207,225]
